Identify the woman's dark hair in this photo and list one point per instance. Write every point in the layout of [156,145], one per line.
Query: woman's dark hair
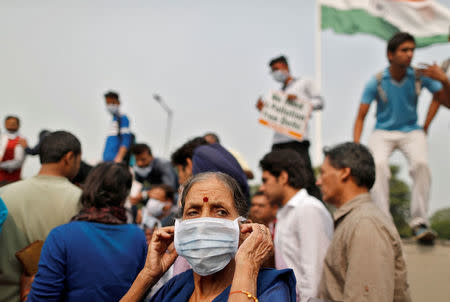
[356,157]
[399,38]
[107,185]
[55,145]
[240,202]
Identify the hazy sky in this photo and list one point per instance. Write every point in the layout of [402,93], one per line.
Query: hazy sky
[207,59]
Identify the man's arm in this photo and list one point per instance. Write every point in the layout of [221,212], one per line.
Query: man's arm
[16,163]
[125,139]
[120,154]
[370,264]
[314,94]
[369,94]
[359,122]
[443,96]
[432,110]
[315,231]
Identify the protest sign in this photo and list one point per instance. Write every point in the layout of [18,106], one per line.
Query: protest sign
[286,117]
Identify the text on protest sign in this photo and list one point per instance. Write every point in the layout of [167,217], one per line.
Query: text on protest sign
[286,117]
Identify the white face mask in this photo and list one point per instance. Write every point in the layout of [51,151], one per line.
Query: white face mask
[142,171]
[155,207]
[149,221]
[12,134]
[112,108]
[280,75]
[208,244]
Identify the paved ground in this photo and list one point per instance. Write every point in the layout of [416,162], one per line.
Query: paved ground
[428,271]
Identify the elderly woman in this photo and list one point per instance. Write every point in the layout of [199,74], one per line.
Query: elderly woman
[97,256]
[225,254]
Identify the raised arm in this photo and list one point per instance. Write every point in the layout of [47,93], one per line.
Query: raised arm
[359,122]
[161,255]
[251,254]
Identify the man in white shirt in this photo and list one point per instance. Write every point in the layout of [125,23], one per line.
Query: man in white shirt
[300,88]
[304,226]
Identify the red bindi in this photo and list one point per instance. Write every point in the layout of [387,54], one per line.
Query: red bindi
[205,199]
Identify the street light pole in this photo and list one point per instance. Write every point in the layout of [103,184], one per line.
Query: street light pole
[169,111]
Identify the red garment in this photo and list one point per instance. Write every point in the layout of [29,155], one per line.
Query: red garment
[5,176]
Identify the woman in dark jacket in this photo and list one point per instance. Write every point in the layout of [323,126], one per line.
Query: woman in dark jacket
[97,255]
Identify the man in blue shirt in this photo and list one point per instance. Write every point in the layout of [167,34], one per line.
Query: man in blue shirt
[119,137]
[396,90]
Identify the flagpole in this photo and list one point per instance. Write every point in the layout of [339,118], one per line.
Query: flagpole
[318,156]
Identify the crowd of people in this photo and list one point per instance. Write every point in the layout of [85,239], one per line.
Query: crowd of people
[141,228]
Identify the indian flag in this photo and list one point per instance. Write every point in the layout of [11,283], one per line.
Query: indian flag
[427,20]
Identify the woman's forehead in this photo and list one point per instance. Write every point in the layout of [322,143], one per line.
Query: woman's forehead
[212,189]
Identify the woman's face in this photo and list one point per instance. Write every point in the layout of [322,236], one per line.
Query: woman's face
[209,198]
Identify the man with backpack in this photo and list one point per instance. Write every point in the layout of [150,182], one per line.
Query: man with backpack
[119,137]
[396,90]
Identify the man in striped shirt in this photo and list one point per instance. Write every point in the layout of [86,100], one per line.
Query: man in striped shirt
[119,137]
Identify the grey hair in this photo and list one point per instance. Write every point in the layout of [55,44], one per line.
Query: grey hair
[356,157]
[240,202]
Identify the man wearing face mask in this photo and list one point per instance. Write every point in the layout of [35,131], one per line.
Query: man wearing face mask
[300,88]
[119,137]
[150,170]
[12,154]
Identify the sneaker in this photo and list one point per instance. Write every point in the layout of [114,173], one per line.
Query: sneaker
[424,234]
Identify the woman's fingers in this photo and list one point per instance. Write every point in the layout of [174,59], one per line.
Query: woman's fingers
[246,228]
[163,233]
[255,228]
[258,234]
[161,239]
[257,246]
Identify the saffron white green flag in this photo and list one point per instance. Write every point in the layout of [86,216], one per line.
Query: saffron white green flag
[427,20]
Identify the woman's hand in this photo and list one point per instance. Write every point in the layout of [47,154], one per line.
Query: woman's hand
[256,247]
[161,252]
[249,258]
